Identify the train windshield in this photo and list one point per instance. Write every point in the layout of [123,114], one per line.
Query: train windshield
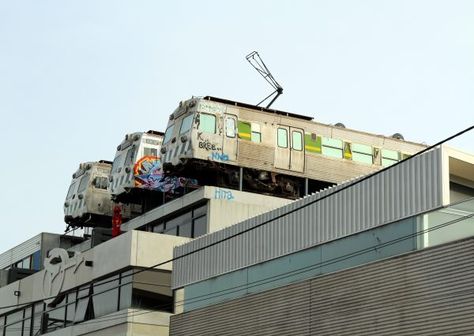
[83,183]
[71,190]
[118,163]
[186,124]
[207,123]
[168,134]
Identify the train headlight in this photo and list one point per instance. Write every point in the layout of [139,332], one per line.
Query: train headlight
[111,178]
[127,170]
[163,150]
[184,138]
[66,204]
[80,196]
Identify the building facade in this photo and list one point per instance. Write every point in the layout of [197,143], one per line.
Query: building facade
[299,270]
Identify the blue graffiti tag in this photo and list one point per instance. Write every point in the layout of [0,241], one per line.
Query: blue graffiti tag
[219,157]
[223,194]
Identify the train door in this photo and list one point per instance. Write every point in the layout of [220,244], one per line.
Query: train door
[282,149]
[229,142]
[297,149]
[289,150]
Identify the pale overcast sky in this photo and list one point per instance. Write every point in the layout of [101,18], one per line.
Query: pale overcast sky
[76,76]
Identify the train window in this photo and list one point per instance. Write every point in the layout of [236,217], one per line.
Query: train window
[296,140]
[84,182]
[389,157]
[230,127]
[100,182]
[282,138]
[332,147]
[147,151]
[404,156]
[207,123]
[347,151]
[376,156]
[168,134]
[244,130]
[362,153]
[256,133]
[71,190]
[312,143]
[130,155]
[186,124]
[117,165]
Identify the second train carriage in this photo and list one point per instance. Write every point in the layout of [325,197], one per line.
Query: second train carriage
[243,146]
[137,172]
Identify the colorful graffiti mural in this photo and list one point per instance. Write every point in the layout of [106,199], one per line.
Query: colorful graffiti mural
[148,174]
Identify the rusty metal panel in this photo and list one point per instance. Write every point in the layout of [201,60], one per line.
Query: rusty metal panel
[429,292]
[407,189]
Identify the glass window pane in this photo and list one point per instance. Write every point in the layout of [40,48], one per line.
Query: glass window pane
[168,134]
[332,147]
[362,158]
[282,138]
[202,210]
[200,226]
[71,190]
[186,124]
[105,297]
[185,230]
[118,163]
[180,220]
[390,154]
[347,151]
[230,127]
[83,297]
[12,327]
[84,182]
[172,232]
[38,309]
[71,307]
[126,290]
[336,143]
[207,123]
[130,155]
[27,262]
[332,152]
[297,140]
[256,137]
[56,318]
[363,149]
[147,151]
[158,228]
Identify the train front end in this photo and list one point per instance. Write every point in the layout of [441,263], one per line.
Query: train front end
[201,134]
[88,202]
[137,165]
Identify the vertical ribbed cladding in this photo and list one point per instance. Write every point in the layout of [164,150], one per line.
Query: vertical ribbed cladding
[428,292]
[20,251]
[407,189]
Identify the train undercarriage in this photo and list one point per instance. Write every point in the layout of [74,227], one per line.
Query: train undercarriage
[246,179]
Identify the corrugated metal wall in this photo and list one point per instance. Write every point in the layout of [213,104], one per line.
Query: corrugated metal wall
[20,251]
[430,292]
[409,188]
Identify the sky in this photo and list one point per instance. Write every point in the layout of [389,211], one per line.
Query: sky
[76,76]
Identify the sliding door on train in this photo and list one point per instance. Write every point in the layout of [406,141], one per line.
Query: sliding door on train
[289,149]
[229,140]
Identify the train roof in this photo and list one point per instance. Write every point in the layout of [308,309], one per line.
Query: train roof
[257,108]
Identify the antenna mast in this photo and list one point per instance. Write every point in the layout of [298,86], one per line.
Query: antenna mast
[255,60]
